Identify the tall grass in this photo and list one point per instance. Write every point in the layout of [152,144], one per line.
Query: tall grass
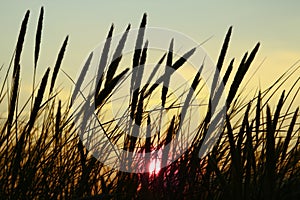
[42,157]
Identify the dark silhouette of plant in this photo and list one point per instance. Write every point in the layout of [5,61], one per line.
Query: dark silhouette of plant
[42,157]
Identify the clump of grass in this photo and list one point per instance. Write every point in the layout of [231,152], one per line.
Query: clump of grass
[256,157]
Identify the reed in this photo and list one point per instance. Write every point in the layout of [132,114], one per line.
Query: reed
[256,157]
[58,64]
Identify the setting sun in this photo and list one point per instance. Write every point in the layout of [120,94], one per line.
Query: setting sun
[154,166]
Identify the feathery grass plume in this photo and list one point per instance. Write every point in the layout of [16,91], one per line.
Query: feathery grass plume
[278,110]
[167,141]
[270,168]
[136,61]
[138,122]
[256,157]
[175,67]
[57,121]
[21,142]
[154,72]
[252,55]
[228,71]
[58,64]
[140,110]
[216,96]
[237,155]
[250,156]
[147,158]
[148,136]
[138,79]
[138,48]
[20,41]
[108,89]
[242,70]
[224,49]
[37,101]
[112,68]
[288,136]
[81,185]
[233,152]
[236,81]
[143,59]
[241,135]
[103,59]
[257,116]
[183,59]
[13,100]
[221,60]
[291,102]
[167,74]
[81,78]
[38,37]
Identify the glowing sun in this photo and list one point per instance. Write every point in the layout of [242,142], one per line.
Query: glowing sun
[154,166]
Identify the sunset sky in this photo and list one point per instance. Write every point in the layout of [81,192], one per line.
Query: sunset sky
[276,24]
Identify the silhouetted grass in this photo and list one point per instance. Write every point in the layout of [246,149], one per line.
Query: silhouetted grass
[42,157]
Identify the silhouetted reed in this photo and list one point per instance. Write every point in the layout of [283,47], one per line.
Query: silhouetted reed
[42,157]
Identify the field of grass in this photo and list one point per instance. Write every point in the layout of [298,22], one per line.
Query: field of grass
[42,156]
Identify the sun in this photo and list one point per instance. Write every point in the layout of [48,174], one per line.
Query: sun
[154,166]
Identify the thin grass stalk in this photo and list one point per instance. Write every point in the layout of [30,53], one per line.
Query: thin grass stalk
[291,102]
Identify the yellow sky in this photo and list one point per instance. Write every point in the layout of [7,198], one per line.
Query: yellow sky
[276,24]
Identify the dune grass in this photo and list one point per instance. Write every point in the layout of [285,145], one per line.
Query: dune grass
[42,157]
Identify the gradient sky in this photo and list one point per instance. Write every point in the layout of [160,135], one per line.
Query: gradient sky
[276,24]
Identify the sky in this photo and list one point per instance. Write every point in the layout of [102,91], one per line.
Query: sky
[275,24]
